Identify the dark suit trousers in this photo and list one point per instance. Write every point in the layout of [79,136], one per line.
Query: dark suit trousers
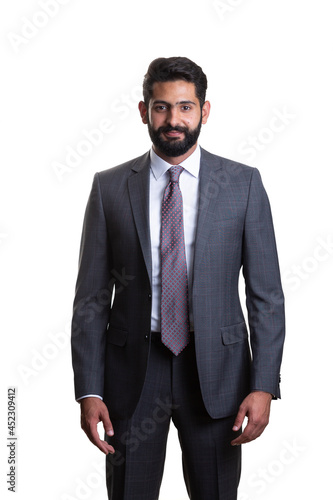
[211,466]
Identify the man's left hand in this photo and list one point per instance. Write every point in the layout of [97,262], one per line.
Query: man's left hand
[256,407]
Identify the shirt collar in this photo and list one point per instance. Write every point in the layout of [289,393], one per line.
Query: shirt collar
[160,166]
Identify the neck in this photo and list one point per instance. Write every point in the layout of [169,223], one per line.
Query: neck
[175,160]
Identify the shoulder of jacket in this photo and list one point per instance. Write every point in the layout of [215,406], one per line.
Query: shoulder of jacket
[124,168]
[231,166]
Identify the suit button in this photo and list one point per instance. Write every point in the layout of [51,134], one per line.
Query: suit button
[146,338]
[149,296]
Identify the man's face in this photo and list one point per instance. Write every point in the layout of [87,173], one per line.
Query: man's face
[174,118]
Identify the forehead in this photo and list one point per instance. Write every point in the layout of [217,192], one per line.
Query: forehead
[173,92]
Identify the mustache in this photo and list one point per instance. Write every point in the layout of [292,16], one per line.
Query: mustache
[168,128]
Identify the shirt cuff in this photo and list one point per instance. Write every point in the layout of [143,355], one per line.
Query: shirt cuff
[90,396]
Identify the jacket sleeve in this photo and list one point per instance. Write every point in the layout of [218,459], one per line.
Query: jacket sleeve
[92,300]
[264,295]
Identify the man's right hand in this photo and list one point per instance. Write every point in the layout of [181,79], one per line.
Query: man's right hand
[93,410]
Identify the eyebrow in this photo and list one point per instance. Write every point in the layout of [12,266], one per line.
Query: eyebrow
[179,102]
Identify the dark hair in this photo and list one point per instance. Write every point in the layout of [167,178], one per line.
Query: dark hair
[171,69]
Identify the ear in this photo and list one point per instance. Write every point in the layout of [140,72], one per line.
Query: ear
[143,112]
[205,112]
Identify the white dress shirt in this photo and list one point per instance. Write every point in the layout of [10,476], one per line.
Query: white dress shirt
[189,186]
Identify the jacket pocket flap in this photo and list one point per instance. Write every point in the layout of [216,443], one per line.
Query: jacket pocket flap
[234,333]
[116,336]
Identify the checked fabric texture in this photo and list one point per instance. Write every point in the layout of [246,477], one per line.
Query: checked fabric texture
[174,289]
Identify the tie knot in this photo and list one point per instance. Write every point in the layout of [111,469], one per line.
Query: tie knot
[175,172]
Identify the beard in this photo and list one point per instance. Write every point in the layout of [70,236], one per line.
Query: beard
[174,147]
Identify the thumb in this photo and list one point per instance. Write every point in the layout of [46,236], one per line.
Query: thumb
[239,418]
[107,423]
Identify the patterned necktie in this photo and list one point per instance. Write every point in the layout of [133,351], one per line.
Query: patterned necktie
[174,288]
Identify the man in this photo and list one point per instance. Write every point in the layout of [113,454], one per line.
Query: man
[158,330]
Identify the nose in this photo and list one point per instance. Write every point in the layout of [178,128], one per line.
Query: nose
[173,117]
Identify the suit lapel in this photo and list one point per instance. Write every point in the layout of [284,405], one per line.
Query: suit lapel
[138,186]
[208,194]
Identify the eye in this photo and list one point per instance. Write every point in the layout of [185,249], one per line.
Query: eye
[160,108]
[186,108]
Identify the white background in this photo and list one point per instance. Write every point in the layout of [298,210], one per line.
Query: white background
[65,72]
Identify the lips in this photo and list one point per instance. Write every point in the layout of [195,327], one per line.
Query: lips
[173,134]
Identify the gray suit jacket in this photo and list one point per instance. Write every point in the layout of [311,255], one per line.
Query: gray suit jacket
[110,344]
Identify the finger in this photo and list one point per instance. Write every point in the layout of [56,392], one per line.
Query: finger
[242,439]
[105,447]
[107,423]
[250,433]
[239,418]
[93,435]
